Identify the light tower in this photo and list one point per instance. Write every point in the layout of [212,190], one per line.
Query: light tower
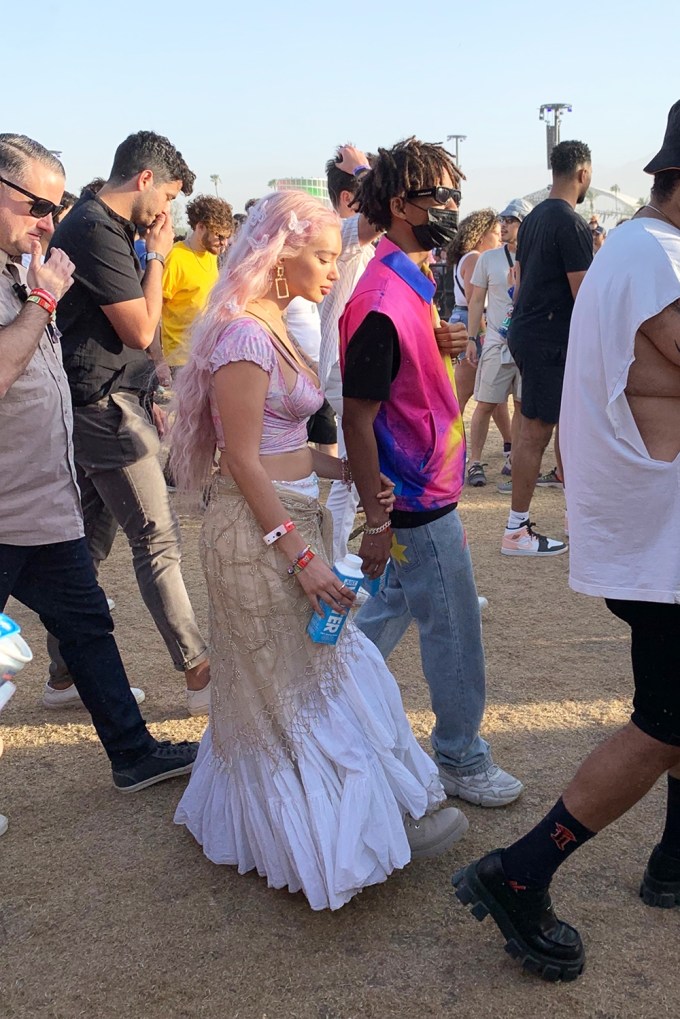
[552,130]
[457,138]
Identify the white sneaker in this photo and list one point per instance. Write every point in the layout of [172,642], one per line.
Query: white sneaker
[483,602]
[525,541]
[491,788]
[4,824]
[198,701]
[70,698]
[433,834]
[111,603]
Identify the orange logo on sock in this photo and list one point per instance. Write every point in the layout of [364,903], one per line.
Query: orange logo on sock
[562,836]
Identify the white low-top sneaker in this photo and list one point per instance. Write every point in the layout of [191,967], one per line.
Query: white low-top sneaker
[70,698]
[433,834]
[198,701]
[490,788]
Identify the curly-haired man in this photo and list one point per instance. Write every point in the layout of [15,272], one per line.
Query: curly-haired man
[191,272]
[401,417]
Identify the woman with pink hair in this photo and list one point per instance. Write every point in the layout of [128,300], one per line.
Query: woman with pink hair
[308,772]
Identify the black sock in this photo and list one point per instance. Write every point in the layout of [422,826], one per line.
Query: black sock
[670,840]
[507,447]
[532,860]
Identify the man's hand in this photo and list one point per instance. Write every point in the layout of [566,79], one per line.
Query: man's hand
[164,375]
[160,419]
[471,352]
[161,235]
[350,158]
[386,496]
[452,338]
[55,275]
[375,551]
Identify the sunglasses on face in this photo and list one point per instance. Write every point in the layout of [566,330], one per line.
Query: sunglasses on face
[440,194]
[508,219]
[40,207]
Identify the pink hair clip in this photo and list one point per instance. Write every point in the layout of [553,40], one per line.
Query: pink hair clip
[258,244]
[297,226]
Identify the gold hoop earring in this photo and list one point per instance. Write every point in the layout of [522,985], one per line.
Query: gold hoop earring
[281,283]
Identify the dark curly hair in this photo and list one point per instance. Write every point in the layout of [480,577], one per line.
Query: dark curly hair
[568,157]
[339,180]
[214,212]
[407,166]
[665,183]
[146,150]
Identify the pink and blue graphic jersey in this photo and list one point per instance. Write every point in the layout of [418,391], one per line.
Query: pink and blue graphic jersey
[419,429]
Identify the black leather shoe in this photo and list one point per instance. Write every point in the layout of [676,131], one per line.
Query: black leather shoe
[661,882]
[533,934]
[166,760]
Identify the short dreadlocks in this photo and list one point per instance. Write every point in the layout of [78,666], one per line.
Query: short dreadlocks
[407,166]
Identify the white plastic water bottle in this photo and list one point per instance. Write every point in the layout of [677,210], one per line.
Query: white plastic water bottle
[14,654]
[326,629]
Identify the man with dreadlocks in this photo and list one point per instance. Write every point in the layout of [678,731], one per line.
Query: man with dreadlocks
[401,417]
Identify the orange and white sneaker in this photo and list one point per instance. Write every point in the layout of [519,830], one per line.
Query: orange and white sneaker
[525,541]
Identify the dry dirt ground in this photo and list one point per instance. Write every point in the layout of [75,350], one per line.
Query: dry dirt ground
[109,910]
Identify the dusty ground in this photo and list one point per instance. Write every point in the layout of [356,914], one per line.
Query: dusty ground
[108,910]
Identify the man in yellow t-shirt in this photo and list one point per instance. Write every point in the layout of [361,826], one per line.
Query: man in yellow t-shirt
[191,272]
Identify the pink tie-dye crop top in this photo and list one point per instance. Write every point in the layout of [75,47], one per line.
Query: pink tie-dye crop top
[284,424]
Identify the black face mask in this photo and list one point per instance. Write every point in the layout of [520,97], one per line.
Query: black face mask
[439,231]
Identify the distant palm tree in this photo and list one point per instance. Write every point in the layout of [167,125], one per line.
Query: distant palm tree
[216,179]
[590,198]
[616,191]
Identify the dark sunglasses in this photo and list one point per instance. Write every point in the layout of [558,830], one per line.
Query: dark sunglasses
[440,194]
[508,219]
[40,207]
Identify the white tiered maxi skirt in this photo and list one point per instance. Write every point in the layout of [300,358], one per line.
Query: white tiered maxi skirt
[331,822]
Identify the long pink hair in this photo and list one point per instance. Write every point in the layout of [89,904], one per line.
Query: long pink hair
[278,226]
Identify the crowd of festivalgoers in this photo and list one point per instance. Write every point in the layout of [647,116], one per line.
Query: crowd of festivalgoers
[305,342]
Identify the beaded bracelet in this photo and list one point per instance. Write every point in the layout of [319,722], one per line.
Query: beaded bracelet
[346,474]
[302,560]
[378,530]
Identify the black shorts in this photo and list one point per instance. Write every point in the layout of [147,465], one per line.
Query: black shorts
[655,653]
[542,371]
[321,427]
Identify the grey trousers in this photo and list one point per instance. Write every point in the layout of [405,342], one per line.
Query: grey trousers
[121,483]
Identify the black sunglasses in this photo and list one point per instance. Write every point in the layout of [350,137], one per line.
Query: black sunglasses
[40,207]
[440,194]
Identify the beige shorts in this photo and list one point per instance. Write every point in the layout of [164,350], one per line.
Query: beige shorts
[496,379]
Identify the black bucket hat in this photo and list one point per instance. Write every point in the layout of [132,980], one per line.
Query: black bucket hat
[668,157]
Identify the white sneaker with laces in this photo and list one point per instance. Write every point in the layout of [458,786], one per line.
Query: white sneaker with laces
[433,834]
[70,698]
[524,541]
[490,788]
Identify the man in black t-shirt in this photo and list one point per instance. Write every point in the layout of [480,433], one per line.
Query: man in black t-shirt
[554,251]
[107,325]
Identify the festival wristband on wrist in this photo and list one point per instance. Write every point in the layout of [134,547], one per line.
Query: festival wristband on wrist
[278,532]
[360,169]
[44,299]
[378,530]
[302,560]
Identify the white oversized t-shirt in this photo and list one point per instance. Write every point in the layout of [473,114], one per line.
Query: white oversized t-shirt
[624,507]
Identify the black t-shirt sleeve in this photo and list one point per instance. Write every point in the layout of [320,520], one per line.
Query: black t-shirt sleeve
[576,245]
[106,266]
[372,359]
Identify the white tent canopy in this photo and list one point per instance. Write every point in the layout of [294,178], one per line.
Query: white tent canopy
[609,206]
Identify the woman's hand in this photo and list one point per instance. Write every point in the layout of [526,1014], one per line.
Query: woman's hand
[386,495]
[318,581]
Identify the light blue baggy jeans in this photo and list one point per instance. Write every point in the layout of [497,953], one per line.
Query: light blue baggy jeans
[431,581]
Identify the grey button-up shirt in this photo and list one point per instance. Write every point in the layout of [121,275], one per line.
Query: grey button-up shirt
[39,496]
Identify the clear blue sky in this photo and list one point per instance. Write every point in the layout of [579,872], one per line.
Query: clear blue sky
[252,91]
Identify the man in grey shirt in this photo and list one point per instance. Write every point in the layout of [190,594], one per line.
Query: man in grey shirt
[44,560]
